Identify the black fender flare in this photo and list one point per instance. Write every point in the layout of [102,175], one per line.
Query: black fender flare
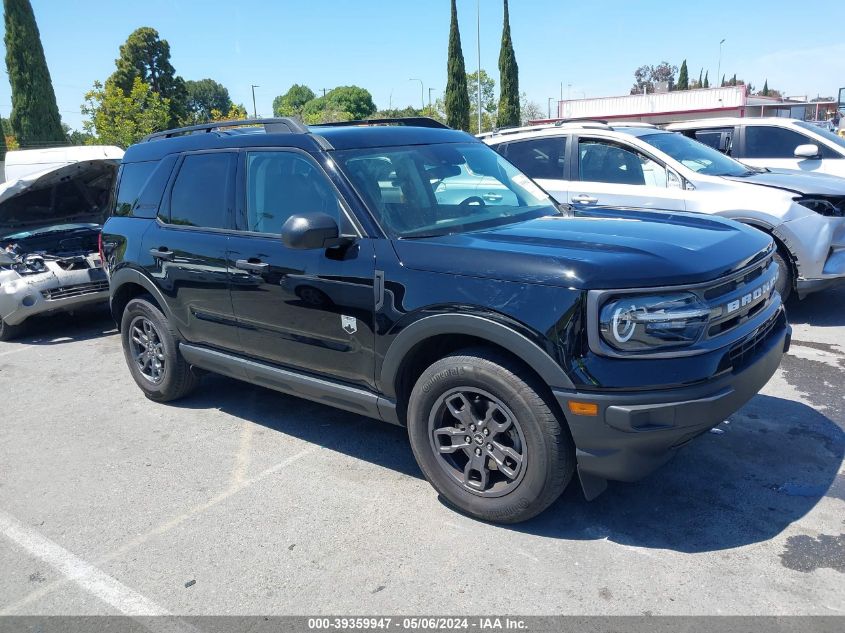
[123,276]
[470,325]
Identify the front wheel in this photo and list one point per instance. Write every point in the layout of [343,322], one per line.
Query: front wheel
[486,439]
[785,280]
[150,345]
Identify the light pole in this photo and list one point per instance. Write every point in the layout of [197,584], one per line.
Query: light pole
[422,90]
[478,39]
[430,90]
[550,106]
[254,112]
[719,67]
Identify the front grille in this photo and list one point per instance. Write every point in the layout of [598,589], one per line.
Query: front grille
[742,352]
[740,299]
[76,290]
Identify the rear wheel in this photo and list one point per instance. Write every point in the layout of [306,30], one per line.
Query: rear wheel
[486,439]
[10,332]
[150,346]
[786,279]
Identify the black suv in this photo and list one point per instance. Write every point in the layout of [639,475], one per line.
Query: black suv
[407,272]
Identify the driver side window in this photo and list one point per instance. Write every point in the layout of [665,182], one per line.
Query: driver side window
[281,184]
[605,161]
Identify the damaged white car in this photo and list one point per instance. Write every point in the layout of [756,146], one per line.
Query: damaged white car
[50,219]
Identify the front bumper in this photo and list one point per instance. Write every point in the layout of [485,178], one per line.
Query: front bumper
[23,298]
[635,433]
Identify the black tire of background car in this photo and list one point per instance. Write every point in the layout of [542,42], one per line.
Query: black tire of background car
[548,451]
[10,332]
[179,379]
[785,280]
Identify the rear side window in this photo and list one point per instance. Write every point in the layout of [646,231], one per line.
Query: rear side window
[713,138]
[133,177]
[202,190]
[539,158]
[767,141]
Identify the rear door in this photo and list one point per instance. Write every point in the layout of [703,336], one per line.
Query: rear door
[185,249]
[311,310]
[613,173]
[543,159]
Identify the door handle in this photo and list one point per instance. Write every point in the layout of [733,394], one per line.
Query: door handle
[163,253]
[251,266]
[584,199]
[492,197]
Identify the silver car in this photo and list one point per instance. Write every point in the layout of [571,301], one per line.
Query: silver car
[637,165]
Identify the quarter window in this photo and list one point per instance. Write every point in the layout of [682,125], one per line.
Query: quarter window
[604,161]
[282,184]
[133,177]
[201,193]
[539,158]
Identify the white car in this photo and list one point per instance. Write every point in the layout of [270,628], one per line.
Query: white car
[772,142]
[591,164]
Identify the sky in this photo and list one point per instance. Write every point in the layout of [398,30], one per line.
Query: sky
[572,47]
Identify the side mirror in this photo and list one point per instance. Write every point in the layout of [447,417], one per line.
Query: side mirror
[809,150]
[312,231]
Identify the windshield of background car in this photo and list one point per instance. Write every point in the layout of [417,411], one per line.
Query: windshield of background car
[696,156]
[827,134]
[427,190]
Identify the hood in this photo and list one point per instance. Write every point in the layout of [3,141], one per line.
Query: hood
[75,193]
[797,182]
[597,249]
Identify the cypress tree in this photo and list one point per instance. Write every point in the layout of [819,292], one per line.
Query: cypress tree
[723,81]
[35,116]
[700,73]
[683,77]
[3,148]
[765,90]
[706,83]
[457,96]
[733,80]
[509,76]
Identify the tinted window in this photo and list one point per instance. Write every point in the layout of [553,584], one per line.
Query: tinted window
[713,138]
[133,176]
[764,141]
[694,155]
[540,157]
[200,194]
[282,184]
[830,136]
[603,161]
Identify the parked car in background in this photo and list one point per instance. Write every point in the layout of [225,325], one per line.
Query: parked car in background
[518,344]
[592,164]
[52,207]
[773,142]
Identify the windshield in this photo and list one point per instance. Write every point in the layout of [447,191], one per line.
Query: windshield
[427,190]
[696,156]
[827,134]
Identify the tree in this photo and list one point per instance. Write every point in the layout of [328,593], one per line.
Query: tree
[509,78]
[145,56]
[35,116]
[706,83]
[488,101]
[529,110]
[234,113]
[347,102]
[293,101]
[723,81]
[683,77]
[3,147]
[203,96]
[765,91]
[646,77]
[457,96]
[700,81]
[732,82]
[118,118]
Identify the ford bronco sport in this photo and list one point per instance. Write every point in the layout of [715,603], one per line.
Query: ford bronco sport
[407,272]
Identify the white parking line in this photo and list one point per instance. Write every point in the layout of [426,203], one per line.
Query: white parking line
[111,591]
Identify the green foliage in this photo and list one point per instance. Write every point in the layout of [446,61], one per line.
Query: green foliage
[234,113]
[529,110]
[344,103]
[145,56]
[118,118]
[765,91]
[509,76]
[700,80]
[646,77]
[203,96]
[683,77]
[293,101]
[706,83]
[35,119]
[3,147]
[488,101]
[457,97]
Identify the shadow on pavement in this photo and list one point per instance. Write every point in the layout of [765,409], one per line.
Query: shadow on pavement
[776,459]
[825,308]
[58,329]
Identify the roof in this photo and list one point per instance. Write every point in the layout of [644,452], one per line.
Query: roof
[312,139]
[634,129]
[730,120]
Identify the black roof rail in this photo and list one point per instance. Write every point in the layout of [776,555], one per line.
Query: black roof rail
[412,121]
[283,125]
[581,120]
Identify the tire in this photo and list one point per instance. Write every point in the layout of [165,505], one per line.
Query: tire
[785,281]
[517,416]
[10,332]
[144,327]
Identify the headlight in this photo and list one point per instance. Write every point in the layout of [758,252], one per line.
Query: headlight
[649,322]
[831,208]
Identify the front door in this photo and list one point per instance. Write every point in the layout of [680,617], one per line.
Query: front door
[310,310]
[613,174]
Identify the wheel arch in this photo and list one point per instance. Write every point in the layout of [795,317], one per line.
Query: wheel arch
[128,283]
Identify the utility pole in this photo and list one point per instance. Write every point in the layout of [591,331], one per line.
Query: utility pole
[254,112]
[719,67]
[550,106]
[429,97]
[478,40]
[422,92]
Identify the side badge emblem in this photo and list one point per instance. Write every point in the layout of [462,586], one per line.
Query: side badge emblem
[349,324]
